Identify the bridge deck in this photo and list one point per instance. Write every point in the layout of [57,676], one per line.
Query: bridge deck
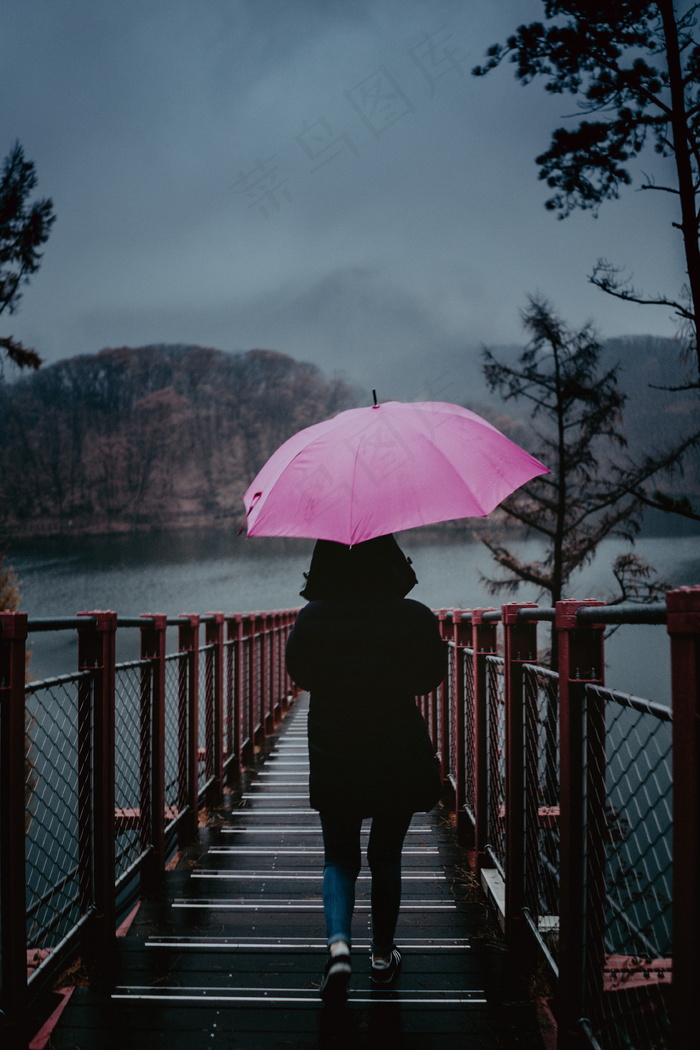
[232,953]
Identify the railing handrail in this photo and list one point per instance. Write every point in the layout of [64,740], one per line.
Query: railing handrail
[71,623]
[499,800]
[218,695]
[629,613]
[622,613]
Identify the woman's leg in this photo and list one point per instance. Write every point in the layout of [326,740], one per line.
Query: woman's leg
[342,861]
[384,858]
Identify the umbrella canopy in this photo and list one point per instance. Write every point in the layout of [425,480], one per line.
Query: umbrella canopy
[389,467]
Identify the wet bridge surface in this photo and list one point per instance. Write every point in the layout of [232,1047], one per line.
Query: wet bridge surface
[232,953]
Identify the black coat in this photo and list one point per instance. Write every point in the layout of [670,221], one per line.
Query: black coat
[364,661]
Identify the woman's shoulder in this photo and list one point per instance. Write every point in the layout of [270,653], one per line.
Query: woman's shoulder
[417,610]
[323,607]
[416,606]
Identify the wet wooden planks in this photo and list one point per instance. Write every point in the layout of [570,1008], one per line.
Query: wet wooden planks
[232,953]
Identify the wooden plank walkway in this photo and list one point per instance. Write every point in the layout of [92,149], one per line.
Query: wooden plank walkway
[231,955]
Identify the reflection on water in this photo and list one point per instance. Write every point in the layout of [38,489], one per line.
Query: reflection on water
[199,571]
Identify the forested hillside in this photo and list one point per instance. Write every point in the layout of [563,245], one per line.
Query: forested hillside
[159,436]
[170,436]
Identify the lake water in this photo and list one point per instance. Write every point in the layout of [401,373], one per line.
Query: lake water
[198,571]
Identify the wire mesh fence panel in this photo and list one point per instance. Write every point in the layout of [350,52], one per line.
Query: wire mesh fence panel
[466,663]
[173,803]
[273,693]
[542,801]
[252,684]
[445,719]
[205,712]
[132,746]
[629,1000]
[258,717]
[439,726]
[265,681]
[228,727]
[54,795]
[266,655]
[496,761]
[244,658]
[281,668]
[185,685]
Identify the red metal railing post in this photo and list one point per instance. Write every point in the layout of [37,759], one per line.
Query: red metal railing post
[438,708]
[582,821]
[265,683]
[290,687]
[96,653]
[233,725]
[153,750]
[444,723]
[280,636]
[275,681]
[188,725]
[461,636]
[683,612]
[252,683]
[271,667]
[519,647]
[13,894]
[266,715]
[239,698]
[257,716]
[247,698]
[484,643]
[272,639]
[214,746]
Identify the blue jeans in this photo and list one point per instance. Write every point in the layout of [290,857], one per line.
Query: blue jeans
[342,862]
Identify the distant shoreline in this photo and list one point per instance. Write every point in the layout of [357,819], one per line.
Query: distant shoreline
[657,524]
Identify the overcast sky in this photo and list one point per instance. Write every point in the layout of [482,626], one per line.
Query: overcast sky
[320,177]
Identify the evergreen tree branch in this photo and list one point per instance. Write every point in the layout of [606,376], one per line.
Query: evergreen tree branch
[19,354]
[668,504]
[507,560]
[602,277]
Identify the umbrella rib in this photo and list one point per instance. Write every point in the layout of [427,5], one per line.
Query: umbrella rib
[494,468]
[352,484]
[461,481]
[330,424]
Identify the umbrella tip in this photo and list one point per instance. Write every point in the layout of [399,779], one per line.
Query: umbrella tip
[374,395]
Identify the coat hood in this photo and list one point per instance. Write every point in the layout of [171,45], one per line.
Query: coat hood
[375,568]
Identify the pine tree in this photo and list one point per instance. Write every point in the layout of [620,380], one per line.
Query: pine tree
[576,417]
[634,70]
[24,227]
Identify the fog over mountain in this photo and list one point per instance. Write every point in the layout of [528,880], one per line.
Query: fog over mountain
[319,177]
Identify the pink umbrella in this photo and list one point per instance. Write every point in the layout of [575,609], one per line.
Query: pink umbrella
[389,467]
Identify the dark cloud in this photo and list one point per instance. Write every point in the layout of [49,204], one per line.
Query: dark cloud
[317,176]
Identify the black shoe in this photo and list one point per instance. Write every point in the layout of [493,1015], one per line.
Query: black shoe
[385,976]
[334,983]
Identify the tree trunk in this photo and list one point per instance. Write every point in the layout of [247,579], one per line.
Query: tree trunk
[684,167]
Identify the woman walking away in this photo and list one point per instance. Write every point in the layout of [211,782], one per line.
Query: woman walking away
[365,651]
